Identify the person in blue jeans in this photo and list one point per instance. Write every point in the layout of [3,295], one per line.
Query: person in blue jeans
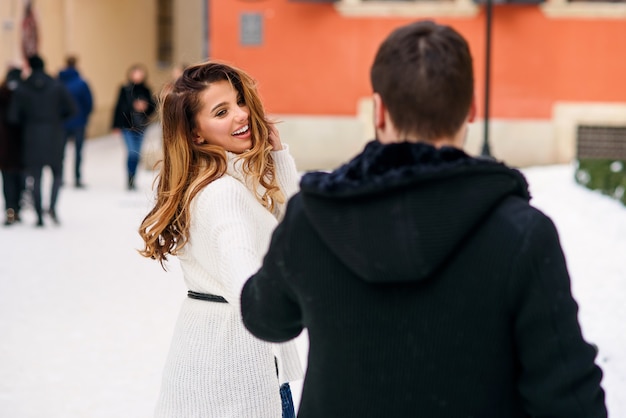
[76,127]
[131,116]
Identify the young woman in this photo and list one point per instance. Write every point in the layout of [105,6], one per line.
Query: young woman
[131,116]
[223,185]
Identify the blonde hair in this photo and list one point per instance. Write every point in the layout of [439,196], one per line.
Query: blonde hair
[187,167]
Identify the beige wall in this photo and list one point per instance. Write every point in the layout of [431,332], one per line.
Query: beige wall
[108,36]
[325,142]
[189,37]
[10,10]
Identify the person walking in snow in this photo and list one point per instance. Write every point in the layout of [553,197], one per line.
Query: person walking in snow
[132,115]
[75,128]
[222,187]
[11,159]
[41,104]
[428,283]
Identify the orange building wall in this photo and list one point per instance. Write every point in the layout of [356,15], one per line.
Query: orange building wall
[315,61]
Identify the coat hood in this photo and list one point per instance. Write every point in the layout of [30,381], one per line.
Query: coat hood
[397,212]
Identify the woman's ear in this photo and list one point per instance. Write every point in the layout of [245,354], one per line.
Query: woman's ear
[198,140]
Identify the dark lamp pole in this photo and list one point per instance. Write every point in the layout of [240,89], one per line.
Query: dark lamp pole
[486,151]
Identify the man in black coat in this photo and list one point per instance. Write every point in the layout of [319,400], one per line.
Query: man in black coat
[429,286]
[40,105]
[10,150]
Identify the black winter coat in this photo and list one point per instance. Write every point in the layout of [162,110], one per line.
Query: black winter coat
[41,105]
[10,133]
[124,115]
[429,287]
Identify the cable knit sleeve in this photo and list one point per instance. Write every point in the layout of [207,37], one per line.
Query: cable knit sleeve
[229,235]
[286,175]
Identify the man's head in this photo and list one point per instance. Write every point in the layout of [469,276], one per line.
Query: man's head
[35,62]
[423,81]
[70,61]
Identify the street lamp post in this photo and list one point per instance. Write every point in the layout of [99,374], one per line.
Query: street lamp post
[486,151]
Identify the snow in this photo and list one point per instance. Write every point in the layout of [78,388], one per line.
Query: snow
[85,321]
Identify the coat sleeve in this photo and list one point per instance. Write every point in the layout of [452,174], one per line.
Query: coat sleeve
[269,307]
[558,374]
[86,99]
[68,107]
[14,112]
[151,103]
[118,111]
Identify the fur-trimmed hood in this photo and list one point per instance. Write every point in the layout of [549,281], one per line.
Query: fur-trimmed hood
[396,212]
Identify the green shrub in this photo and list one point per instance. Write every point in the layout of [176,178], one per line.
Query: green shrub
[604,175]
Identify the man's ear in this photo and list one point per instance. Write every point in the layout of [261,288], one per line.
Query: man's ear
[379,112]
[471,116]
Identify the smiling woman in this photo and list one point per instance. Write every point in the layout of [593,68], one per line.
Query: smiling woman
[223,120]
[222,188]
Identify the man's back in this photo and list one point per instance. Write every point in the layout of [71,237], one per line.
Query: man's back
[80,91]
[428,290]
[428,284]
[42,99]
[41,104]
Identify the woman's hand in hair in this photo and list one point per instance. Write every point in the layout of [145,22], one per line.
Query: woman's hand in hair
[274,138]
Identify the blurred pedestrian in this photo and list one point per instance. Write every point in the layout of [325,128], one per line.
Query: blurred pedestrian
[221,189]
[131,116]
[75,128]
[428,284]
[11,162]
[42,104]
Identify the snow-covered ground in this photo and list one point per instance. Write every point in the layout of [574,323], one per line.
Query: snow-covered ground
[85,322]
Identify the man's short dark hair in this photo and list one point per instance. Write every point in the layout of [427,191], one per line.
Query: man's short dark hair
[35,62]
[423,73]
[70,61]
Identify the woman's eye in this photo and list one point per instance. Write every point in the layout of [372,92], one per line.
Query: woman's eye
[221,112]
[241,102]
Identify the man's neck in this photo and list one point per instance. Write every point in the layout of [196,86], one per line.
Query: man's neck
[391,135]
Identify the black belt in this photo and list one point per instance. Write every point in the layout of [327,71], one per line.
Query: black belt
[206,297]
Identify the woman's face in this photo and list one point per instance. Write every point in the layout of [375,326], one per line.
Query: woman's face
[137,76]
[224,118]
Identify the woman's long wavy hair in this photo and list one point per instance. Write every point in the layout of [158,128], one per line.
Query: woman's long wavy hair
[187,167]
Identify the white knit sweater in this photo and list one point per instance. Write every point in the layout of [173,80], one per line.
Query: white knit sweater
[215,368]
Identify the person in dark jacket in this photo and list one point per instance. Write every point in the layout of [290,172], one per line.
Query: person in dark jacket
[10,149]
[427,282]
[131,116]
[75,128]
[41,104]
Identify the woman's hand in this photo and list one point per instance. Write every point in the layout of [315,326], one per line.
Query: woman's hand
[140,105]
[274,138]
